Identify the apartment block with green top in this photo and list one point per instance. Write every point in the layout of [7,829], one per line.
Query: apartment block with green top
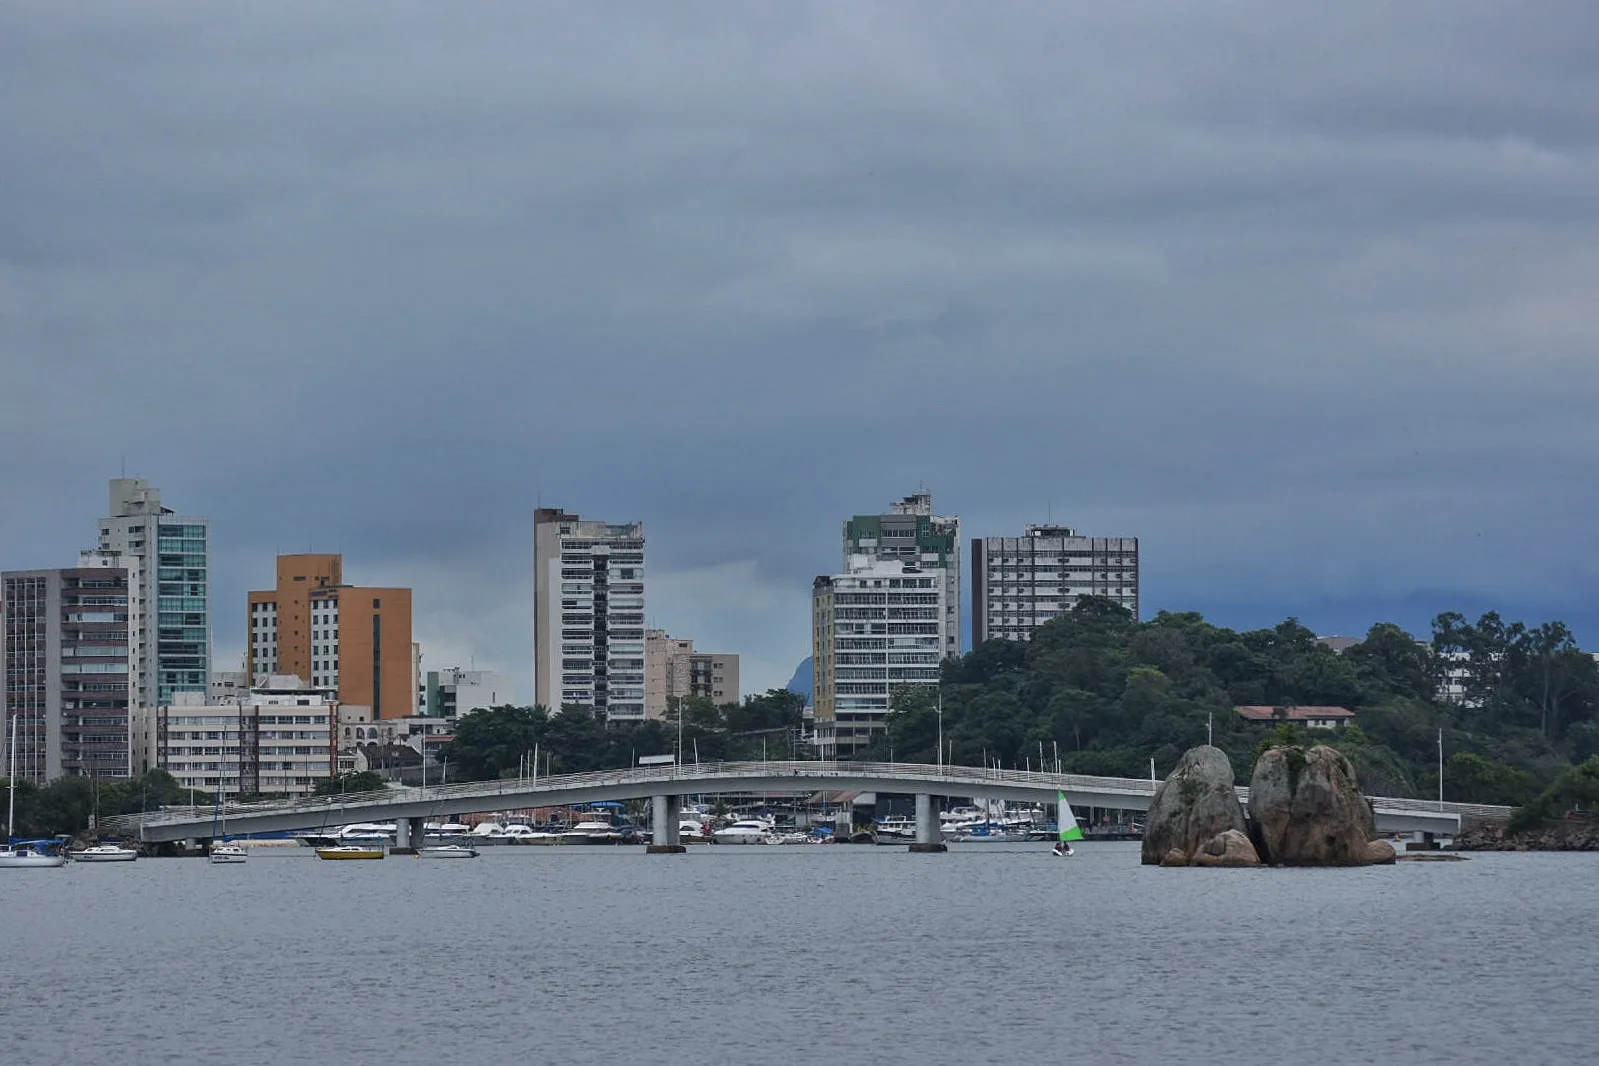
[912,535]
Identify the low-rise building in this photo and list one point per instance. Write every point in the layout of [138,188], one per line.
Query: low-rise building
[674,670]
[275,740]
[453,691]
[1309,717]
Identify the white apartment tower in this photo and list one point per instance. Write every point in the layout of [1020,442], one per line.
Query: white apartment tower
[879,625]
[911,534]
[588,614]
[1019,583]
[174,622]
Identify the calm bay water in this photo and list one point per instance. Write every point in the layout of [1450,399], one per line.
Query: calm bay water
[797,955]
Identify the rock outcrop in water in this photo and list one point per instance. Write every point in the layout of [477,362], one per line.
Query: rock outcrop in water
[1305,809]
[1194,805]
[1308,810]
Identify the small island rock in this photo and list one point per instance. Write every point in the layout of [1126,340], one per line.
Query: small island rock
[1195,803]
[1308,809]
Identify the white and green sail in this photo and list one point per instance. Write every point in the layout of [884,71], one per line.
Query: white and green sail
[1069,829]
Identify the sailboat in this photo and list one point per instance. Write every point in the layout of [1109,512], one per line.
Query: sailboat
[1069,829]
[27,854]
[223,852]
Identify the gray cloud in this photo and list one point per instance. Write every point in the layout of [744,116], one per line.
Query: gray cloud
[1303,299]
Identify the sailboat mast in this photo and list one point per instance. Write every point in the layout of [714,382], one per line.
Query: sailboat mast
[11,780]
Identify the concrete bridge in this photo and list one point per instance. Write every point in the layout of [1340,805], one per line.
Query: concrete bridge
[665,785]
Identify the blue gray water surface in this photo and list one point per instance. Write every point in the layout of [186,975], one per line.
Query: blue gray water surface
[798,955]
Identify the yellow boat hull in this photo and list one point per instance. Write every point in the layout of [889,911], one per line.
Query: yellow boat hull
[349,853]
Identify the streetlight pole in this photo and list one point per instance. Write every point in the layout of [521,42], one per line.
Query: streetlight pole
[941,731]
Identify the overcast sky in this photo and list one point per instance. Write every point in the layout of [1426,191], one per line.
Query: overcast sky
[1305,298]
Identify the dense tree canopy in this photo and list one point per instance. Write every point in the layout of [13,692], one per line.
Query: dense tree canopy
[1108,694]
[501,741]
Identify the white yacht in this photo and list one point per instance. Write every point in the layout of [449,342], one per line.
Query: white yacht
[226,853]
[746,831]
[519,833]
[105,853]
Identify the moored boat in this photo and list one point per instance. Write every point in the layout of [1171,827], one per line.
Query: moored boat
[449,851]
[747,831]
[350,851]
[27,854]
[104,853]
[225,853]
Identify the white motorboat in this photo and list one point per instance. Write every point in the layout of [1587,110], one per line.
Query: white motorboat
[224,853]
[105,853]
[747,831]
[26,855]
[692,833]
[592,833]
[519,833]
[449,851]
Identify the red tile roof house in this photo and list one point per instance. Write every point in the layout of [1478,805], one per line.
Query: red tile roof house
[1309,717]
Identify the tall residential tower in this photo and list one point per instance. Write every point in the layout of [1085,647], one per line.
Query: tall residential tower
[588,614]
[70,658]
[1019,583]
[174,619]
[911,534]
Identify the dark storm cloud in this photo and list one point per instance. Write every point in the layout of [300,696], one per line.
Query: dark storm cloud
[1302,298]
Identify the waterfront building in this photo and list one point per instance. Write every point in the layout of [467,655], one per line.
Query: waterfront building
[174,619]
[910,533]
[276,739]
[71,657]
[454,691]
[1019,583]
[878,626]
[349,640]
[673,670]
[588,614]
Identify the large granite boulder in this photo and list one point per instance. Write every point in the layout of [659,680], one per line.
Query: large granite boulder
[1308,810]
[1195,803]
[1231,848]
[1381,853]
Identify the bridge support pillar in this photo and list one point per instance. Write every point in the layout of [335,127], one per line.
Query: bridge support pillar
[927,836]
[663,827]
[409,836]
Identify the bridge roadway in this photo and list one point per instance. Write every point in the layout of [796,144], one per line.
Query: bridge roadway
[665,784]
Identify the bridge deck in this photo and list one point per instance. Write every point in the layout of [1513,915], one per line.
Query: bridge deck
[636,783]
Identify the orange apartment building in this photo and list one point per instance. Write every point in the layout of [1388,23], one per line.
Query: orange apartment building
[345,639]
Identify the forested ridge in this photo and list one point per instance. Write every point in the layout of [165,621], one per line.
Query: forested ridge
[1110,694]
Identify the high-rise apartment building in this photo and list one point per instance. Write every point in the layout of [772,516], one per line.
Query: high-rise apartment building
[70,655]
[673,670]
[1019,583]
[174,620]
[345,639]
[879,625]
[588,614]
[910,533]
